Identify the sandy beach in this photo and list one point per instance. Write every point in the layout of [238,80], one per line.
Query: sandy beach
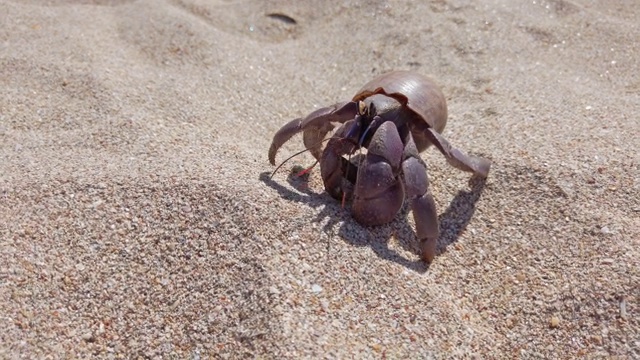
[138,218]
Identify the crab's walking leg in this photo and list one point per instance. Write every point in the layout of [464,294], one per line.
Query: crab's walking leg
[422,204]
[378,194]
[457,158]
[315,126]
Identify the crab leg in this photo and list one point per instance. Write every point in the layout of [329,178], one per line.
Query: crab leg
[457,158]
[423,205]
[315,126]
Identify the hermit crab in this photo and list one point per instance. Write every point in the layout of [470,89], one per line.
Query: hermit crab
[395,117]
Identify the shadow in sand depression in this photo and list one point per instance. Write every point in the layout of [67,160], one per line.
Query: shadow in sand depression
[453,220]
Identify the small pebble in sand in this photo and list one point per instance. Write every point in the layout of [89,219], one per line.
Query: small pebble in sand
[88,337]
[596,339]
[316,288]
[607,261]
[324,304]
[623,308]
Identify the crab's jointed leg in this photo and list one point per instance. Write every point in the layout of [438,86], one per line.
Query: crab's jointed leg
[423,206]
[457,158]
[315,126]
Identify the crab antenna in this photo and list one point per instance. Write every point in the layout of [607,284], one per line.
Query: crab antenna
[366,131]
[298,153]
[363,135]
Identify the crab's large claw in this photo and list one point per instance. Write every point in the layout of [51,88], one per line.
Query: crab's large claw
[458,159]
[315,126]
[378,194]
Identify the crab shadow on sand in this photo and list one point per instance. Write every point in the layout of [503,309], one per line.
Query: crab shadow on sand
[453,220]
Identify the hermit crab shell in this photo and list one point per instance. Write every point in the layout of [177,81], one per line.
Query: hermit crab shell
[416,92]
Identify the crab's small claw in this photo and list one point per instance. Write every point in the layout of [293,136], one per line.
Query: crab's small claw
[334,168]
